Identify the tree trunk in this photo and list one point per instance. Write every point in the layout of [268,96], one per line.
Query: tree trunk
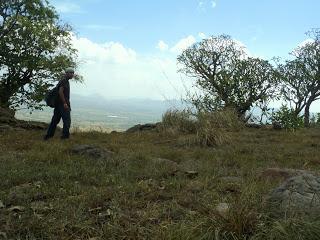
[307,114]
[6,92]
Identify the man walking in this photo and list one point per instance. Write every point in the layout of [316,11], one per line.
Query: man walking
[62,108]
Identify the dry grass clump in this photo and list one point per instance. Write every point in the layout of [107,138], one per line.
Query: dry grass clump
[226,119]
[209,128]
[176,121]
[213,127]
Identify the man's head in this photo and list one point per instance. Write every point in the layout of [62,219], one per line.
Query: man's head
[69,72]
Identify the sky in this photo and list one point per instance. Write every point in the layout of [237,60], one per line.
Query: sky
[128,48]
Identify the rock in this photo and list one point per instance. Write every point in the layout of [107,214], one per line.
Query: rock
[1,204]
[191,174]
[253,125]
[19,194]
[297,196]
[195,186]
[281,173]
[3,235]
[143,127]
[230,184]
[170,166]
[277,125]
[40,206]
[31,125]
[17,209]
[222,209]
[91,151]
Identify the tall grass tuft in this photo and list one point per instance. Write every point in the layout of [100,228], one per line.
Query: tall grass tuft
[177,121]
[213,127]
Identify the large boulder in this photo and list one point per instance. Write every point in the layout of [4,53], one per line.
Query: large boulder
[297,196]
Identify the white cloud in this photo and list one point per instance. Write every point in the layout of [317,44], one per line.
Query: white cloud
[162,46]
[205,4]
[116,71]
[183,44]
[68,7]
[110,52]
[202,35]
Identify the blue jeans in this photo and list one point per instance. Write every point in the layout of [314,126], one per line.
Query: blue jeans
[58,113]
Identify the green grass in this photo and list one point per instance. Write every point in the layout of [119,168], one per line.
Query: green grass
[129,197]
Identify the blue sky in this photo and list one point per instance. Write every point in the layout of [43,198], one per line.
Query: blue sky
[144,37]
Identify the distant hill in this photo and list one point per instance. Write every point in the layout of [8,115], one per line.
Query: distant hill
[96,112]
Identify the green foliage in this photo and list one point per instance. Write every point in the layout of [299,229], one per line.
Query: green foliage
[300,76]
[225,76]
[287,118]
[35,47]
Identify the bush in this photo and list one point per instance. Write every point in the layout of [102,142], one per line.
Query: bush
[287,118]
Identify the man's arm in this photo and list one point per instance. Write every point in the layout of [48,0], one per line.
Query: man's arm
[61,95]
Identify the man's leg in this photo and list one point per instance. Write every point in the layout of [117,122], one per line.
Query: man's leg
[54,122]
[66,118]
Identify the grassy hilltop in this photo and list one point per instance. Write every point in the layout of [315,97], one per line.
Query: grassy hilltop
[48,192]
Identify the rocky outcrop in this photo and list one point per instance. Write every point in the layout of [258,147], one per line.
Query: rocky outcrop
[143,127]
[9,122]
[297,196]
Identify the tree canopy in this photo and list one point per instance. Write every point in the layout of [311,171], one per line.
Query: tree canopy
[301,76]
[226,76]
[35,47]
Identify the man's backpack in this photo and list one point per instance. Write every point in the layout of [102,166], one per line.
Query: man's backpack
[51,97]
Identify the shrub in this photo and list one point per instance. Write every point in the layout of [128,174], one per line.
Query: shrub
[287,118]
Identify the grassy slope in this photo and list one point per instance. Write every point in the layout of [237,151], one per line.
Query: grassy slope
[129,198]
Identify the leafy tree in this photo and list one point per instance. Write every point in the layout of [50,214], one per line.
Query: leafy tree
[226,76]
[35,47]
[287,118]
[301,76]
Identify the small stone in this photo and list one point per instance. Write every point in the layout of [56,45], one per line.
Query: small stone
[17,209]
[191,174]
[222,209]
[3,235]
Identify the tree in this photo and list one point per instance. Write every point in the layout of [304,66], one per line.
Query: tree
[301,76]
[226,76]
[35,47]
